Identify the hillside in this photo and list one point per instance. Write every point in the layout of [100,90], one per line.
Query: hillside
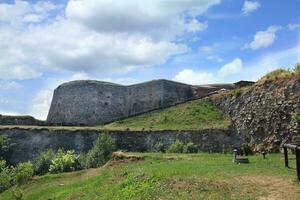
[169,176]
[197,114]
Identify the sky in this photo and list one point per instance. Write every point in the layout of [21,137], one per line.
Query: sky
[46,43]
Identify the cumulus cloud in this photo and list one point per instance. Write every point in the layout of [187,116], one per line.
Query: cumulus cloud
[194,77]
[264,38]
[250,6]
[231,68]
[41,104]
[8,85]
[91,36]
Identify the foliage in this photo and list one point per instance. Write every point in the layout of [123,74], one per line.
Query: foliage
[197,114]
[10,176]
[42,163]
[63,162]
[23,173]
[159,147]
[190,148]
[236,92]
[101,151]
[4,146]
[176,147]
[199,176]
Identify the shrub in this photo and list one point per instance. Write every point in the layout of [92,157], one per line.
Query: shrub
[10,176]
[236,92]
[6,177]
[190,148]
[101,151]
[63,162]
[177,147]
[23,173]
[42,163]
[159,147]
[4,147]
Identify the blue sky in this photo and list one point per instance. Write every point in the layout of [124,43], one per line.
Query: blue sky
[46,43]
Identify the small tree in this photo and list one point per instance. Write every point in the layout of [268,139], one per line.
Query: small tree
[63,162]
[23,173]
[42,163]
[101,151]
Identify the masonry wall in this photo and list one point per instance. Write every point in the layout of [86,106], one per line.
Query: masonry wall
[29,143]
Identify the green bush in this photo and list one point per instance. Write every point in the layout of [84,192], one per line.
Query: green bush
[236,92]
[190,148]
[10,176]
[42,163]
[4,147]
[101,151]
[159,147]
[177,147]
[63,162]
[23,173]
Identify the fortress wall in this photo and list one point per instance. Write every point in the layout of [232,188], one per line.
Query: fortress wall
[87,103]
[20,120]
[94,102]
[29,143]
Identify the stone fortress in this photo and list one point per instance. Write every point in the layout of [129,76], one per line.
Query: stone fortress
[96,102]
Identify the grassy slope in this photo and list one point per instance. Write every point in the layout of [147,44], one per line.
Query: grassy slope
[198,114]
[199,176]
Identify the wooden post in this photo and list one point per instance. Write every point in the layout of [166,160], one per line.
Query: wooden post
[286,159]
[298,162]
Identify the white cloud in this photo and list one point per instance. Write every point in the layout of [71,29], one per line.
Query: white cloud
[264,38]
[8,85]
[215,58]
[194,77]
[92,37]
[250,6]
[195,26]
[231,68]
[11,113]
[41,104]
[292,27]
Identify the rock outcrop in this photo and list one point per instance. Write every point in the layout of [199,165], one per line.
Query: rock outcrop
[265,112]
[95,102]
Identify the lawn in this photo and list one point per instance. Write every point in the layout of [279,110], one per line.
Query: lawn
[170,176]
[198,114]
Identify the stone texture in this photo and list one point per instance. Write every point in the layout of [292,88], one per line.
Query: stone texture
[95,102]
[20,120]
[29,143]
[263,113]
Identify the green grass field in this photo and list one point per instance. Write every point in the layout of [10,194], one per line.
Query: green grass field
[198,114]
[169,176]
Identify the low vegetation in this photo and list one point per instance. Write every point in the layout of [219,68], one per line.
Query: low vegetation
[169,176]
[281,74]
[198,114]
[54,163]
